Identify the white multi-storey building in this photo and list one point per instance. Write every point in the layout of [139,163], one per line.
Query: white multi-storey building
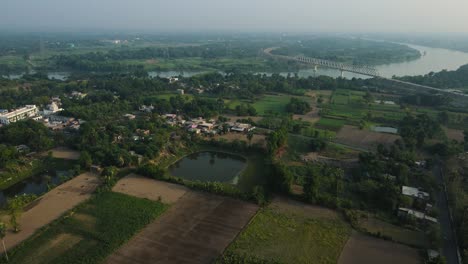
[18,114]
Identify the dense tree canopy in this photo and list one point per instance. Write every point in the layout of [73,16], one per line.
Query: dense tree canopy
[31,133]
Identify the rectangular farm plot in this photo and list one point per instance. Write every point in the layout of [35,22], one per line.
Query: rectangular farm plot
[330,124]
[92,231]
[196,229]
[277,103]
[272,103]
[292,234]
[353,136]
[362,249]
[142,187]
[399,234]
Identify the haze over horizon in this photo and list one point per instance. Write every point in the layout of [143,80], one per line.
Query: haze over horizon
[241,15]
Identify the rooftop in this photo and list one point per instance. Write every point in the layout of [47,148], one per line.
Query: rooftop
[417,214]
[414,192]
[18,111]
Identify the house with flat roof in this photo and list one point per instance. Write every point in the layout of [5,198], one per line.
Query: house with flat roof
[405,212]
[240,127]
[28,111]
[414,193]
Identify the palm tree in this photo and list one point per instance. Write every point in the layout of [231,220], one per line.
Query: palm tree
[250,136]
[2,236]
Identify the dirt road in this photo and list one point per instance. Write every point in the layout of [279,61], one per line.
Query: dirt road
[51,206]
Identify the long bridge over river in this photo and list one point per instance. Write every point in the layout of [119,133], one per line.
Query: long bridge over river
[362,70]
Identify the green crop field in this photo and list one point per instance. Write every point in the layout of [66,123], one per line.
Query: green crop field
[232,103]
[90,233]
[275,236]
[320,133]
[397,233]
[352,107]
[273,103]
[330,124]
[276,103]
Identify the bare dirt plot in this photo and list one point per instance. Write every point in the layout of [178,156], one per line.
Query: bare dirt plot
[52,205]
[454,134]
[362,249]
[65,153]
[353,136]
[311,117]
[324,93]
[151,61]
[257,139]
[196,229]
[142,187]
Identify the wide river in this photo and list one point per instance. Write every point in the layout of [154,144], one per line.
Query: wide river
[432,59]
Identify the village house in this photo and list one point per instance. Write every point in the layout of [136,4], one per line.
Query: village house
[144,132]
[77,95]
[130,116]
[420,163]
[146,108]
[22,149]
[173,79]
[29,111]
[51,109]
[241,127]
[406,212]
[414,193]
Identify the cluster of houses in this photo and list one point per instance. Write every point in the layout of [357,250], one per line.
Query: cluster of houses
[421,197]
[207,127]
[48,115]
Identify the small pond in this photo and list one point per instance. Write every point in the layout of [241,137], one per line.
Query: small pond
[35,185]
[209,166]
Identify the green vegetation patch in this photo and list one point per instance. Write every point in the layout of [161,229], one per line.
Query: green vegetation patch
[277,103]
[356,107]
[289,238]
[272,103]
[396,233]
[330,124]
[96,228]
[168,96]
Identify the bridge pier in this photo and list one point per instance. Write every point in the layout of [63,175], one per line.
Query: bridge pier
[315,70]
[342,73]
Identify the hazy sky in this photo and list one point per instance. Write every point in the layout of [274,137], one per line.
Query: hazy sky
[239,15]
